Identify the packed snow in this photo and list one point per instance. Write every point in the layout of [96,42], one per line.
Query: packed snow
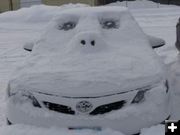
[90,64]
[30,130]
[137,4]
[154,130]
[35,14]
[19,27]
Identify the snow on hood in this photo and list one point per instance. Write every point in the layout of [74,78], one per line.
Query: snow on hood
[121,57]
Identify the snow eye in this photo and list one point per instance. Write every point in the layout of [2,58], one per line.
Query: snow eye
[109,24]
[67,26]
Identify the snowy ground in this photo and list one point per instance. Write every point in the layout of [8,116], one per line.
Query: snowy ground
[14,33]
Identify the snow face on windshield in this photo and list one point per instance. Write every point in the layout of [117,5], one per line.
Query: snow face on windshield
[92,48]
[87,30]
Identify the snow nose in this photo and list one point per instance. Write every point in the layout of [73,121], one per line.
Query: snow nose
[87,42]
[90,39]
[84,42]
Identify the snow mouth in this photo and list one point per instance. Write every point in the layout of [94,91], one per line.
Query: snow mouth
[147,87]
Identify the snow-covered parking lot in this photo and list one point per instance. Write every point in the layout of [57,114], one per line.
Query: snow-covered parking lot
[25,25]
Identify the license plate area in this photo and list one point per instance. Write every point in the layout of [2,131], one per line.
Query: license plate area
[86,128]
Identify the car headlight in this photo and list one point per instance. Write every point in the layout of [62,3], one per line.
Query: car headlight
[22,96]
[140,96]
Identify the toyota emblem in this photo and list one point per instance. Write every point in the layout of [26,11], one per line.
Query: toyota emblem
[84,106]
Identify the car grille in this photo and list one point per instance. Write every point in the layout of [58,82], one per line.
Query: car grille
[103,109]
[59,108]
[108,108]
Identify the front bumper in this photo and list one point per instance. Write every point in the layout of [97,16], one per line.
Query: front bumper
[129,119]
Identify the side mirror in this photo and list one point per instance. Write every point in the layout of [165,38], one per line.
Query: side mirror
[156,42]
[28,46]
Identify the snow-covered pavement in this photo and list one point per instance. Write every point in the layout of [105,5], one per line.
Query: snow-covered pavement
[29,130]
[159,22]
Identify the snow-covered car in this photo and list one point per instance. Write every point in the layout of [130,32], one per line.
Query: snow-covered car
[93,68]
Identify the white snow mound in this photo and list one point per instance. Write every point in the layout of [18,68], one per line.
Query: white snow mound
[37,13]
[30,130]
[119,56]
[155,130]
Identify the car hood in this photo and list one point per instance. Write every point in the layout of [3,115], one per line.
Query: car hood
[75,77]
[55,84]
[111,60]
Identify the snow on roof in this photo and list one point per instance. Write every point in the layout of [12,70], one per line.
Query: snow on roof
[97,9]
[34,14]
